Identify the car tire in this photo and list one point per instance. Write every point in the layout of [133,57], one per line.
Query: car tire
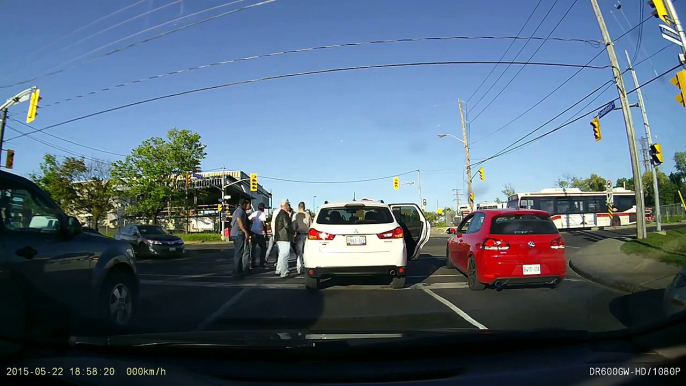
[311,283]
[398,282]
[448,263]
[119,300]
[472,279]
[616,221]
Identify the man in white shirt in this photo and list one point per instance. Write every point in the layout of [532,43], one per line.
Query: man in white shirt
[258,218]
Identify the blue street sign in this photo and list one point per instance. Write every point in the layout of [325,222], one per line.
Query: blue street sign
[609,107]
[197,175]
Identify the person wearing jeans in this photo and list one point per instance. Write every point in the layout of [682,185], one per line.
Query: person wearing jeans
[302,222]
[258,219]
[283,235]
[240,237]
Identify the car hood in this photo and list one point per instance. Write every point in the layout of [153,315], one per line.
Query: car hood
[162,237]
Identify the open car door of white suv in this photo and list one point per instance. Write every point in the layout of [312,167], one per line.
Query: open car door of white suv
[415,226]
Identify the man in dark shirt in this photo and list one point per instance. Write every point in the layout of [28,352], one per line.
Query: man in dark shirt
[240,236]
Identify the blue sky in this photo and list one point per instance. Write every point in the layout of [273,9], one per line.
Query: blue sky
[341,126]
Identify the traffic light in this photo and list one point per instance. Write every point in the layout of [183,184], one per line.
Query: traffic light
[33,106]
[253,182]
[481,173]
[424,202]
[219,207]
[9,163]
[659,10]
[188,179]
[396,183]
[680,81]
[471,197]
[595,123]
[656,153]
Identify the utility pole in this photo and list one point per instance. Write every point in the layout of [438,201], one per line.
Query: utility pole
[466,157]
[656,188]
[457,199]
[631,135]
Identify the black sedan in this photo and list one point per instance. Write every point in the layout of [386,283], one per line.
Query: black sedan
[152,240]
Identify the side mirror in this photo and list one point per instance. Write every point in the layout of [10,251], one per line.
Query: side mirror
[73,227]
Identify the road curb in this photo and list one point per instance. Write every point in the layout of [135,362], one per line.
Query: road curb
[623,287]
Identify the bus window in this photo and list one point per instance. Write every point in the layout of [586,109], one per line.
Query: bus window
[526,204]
[578,205]
[624,203]
[564,206]
[545,204]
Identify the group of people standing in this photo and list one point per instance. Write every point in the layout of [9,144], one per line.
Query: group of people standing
[284,229]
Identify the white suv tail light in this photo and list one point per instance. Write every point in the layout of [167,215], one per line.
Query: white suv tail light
[396,233]
[314,234]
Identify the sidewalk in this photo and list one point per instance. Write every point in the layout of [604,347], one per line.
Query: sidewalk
[604,263]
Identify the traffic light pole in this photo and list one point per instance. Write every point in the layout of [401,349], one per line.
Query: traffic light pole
[419,186]
[656,190]
[2,129]
[677,24]
[631,135]
[466,157]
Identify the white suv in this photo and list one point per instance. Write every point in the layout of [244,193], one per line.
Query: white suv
[364,238]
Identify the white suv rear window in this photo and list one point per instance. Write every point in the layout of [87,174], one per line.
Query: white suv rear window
[355,214]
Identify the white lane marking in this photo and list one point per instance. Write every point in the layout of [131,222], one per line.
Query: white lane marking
[205,284]
[222,309]
[456,309]
[569,246]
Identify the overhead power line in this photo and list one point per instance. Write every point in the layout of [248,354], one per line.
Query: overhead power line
[292,75]
[504,53]
[510,148]
[565,82]
[338,182]
[48,144]
[67,140]
[62,69]
[310,49]
[515,58]
[522,68]
[81,29]
[120,24]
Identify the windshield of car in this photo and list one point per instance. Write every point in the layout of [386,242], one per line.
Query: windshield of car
[151,230]
[163,126]
[523,224]
[352,215]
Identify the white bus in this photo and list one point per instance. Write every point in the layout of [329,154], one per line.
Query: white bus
[491,205]
[572,208]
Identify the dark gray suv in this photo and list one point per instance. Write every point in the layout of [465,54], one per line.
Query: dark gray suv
[54,274]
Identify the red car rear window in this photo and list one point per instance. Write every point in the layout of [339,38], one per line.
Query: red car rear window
[523,224]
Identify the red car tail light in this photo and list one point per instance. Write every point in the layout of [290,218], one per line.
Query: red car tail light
[558,243]
[495,245]
[396,233]
[314,234]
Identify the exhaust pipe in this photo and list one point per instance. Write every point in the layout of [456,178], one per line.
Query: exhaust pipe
[498,285]
[392,272]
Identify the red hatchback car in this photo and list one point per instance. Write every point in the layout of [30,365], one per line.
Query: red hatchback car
[499,247]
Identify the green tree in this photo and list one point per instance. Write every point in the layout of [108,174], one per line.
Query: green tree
[508,190]
[594,183]
[149,174]
[76,186]
[95,192]
[432,217]
[57,179]
[668,191]
[498,200]
[627,183]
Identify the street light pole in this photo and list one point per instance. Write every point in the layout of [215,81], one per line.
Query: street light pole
[466,156]
[314,207]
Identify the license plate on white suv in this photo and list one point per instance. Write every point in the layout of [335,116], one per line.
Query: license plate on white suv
[356,240]
[533,269]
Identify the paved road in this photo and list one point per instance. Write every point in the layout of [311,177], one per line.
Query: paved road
[198,292]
